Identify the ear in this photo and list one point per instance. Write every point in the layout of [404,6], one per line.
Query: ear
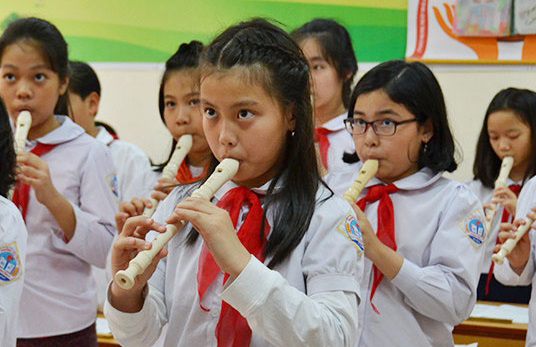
[93,100]
[427,131]
[63,85]
[290,118]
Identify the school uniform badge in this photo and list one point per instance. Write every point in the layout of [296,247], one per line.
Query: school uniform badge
[114,185]
[350,229]
[10,265]
[473,227]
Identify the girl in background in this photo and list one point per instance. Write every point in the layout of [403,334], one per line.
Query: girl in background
[330,54]
[178,103]
[509,129]
[65,191]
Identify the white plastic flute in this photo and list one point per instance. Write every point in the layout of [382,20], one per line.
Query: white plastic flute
[223,173]
[369,169]
[24,123]
[170,170]
[510,244]
[504,172]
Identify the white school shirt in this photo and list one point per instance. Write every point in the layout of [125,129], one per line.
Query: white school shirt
[340,141]
[435,288]
[484,194]
[59,295]
[504,273]
[309,300]
[130,162]
[13,236]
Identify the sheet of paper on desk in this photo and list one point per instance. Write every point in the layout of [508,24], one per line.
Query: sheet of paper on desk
[102,327]
[513,313]
[475,344]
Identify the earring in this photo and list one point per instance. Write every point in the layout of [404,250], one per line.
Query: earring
[425,149]
[292,133]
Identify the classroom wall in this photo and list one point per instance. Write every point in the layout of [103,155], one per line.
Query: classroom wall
[130,104]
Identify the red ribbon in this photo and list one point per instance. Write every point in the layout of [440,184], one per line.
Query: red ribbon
[21,194]
[386,224]
[184,175]
[516,188]
[232,329]
[321,136]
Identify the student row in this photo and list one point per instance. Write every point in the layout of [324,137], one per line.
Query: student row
[247,96]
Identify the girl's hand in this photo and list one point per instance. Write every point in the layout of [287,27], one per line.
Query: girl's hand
[130,241]
[388,261]
[369,236]
[215,227]
[505,197]
[163,188]
[34,172]
[132,208]
[520,255]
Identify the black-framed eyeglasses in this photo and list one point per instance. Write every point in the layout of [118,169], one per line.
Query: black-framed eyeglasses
[381,127]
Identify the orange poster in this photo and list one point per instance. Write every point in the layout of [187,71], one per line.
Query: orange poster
[431,38]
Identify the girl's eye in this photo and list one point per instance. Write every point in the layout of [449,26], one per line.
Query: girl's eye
[360,122]
[9,77]
[210,112]
[318,67]
[170,104]
[194,102]
[39,77]
[386,123]
[513,137]
[245,114]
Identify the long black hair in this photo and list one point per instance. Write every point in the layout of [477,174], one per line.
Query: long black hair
[48,40]
[522,102]
[186,57]
[278,65]
[337,49]
[7,152]
[415,87]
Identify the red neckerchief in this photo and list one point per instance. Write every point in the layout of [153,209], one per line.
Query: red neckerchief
[516,188]
[22,191]
[321,136]
[386,224]
[184,175]
[233,329]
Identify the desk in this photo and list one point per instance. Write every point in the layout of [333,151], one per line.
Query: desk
[490,333]
[107,342]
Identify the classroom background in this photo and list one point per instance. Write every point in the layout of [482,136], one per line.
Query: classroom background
[128,41]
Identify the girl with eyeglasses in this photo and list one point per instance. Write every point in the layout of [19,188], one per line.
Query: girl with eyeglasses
[423,233]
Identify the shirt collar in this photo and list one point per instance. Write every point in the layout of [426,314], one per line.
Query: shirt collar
[104,136]
[262,190]
[418,180]
[335,124]
[66,132]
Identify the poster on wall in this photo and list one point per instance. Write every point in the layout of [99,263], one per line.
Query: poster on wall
[147,31]
[432,37]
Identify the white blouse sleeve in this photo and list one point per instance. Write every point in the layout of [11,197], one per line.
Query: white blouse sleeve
[445,289]
[96,208]
[324,316]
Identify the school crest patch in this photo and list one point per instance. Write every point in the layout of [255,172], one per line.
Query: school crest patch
[473,227]
[349,228]
[113,184]
[10,265]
